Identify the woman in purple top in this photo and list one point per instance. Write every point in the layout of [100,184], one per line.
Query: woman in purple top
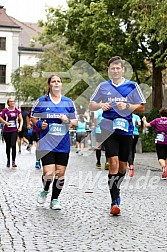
[160,125]
[9,117]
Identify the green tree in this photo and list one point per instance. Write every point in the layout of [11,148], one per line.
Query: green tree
[30,82]
[27,87]
[95,30]
[149,26]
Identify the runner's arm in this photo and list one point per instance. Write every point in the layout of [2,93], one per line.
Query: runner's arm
[21,122]
[146,124]
[93,106]
[3,121]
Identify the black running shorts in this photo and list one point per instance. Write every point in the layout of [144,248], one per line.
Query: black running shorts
[118,145]
[59,158]
[161,151]
[80,136]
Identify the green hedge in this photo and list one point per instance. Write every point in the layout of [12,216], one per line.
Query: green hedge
[148,142]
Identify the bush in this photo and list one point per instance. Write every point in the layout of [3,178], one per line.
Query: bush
[148,142]
[148,139]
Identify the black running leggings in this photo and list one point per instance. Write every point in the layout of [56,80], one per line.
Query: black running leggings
[10,140]
[133,150]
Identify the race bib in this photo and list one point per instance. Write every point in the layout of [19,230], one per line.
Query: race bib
[160,137]
[57,129]
[120,123]
[12,123]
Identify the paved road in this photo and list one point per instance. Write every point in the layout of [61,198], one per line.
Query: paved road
[84,223]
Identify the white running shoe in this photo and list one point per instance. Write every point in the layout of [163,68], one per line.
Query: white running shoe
[42,197]
[55,204]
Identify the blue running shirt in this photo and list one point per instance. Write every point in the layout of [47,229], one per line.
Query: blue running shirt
[81,127]
[135,119]
[56,136]
[128,92]
[98,115]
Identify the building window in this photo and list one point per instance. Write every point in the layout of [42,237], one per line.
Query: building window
[2,43]
[2,74]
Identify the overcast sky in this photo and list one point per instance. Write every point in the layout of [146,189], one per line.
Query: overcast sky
[29,10]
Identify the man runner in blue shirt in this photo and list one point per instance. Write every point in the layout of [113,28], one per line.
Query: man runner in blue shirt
[118,97]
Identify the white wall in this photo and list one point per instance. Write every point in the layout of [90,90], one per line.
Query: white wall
[28,58]
[11,57]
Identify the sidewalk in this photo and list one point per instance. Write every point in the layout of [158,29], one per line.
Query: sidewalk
[84,223]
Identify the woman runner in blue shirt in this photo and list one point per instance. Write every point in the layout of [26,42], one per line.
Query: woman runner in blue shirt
[136,124]
[80,134]
[53,114]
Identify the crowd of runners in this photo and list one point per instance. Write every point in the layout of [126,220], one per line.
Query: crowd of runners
[115,125]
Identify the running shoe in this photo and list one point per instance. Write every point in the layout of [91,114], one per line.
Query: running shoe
[98,166]
[115,210]
[55,204]
[8,164]
[164,172]
[131,171]
[38,165]
[28,148]
[107,165]
[13,164]
[42,197]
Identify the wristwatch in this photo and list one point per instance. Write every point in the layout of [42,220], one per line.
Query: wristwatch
[127,105]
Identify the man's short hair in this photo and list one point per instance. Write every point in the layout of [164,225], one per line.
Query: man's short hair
[116,60]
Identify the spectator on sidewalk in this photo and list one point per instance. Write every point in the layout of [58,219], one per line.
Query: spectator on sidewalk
[160,125]
[118,97]
[136,124]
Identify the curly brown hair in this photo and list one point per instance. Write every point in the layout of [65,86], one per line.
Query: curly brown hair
[163,112]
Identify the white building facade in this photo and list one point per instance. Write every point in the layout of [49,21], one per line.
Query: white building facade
[15,50]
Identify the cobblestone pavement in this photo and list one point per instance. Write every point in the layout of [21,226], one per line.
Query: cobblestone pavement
[84,223]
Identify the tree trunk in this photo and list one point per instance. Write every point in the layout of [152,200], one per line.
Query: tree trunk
[137,77]
[157,94]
